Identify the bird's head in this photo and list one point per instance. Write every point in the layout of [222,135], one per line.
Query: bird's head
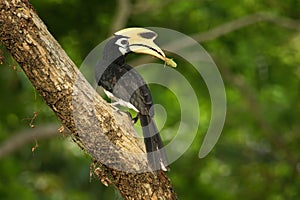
[133,40]
[138,40]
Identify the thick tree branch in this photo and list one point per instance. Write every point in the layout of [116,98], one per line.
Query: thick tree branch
[97,128]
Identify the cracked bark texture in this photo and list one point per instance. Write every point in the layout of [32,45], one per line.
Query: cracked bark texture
[104,133]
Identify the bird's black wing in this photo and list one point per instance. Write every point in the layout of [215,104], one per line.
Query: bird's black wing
[127,84]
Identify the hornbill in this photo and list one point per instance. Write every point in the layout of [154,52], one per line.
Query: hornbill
[126,87]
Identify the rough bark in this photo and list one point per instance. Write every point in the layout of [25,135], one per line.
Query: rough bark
[106,134]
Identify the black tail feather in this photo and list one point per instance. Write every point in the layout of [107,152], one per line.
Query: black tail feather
[156,154]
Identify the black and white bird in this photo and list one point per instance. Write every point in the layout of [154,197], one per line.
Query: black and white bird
[126,87]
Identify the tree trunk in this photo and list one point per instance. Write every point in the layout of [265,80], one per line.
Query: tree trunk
[104,133]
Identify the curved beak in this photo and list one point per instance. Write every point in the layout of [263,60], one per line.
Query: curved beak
[141,40]
[146,47]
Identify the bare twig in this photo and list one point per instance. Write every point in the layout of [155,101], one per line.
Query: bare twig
[246,21]
[125,9]
[226,28]
[20,139]
[142,6]
[122,14]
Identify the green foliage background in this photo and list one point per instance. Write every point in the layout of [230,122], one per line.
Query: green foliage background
[257,156]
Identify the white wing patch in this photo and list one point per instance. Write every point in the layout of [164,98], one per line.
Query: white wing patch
[120,102]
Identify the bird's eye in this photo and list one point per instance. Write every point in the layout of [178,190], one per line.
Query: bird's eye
[123,42]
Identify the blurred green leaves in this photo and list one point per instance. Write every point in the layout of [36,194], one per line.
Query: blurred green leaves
[257,156]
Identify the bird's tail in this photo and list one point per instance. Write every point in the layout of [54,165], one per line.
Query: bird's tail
[156,154]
